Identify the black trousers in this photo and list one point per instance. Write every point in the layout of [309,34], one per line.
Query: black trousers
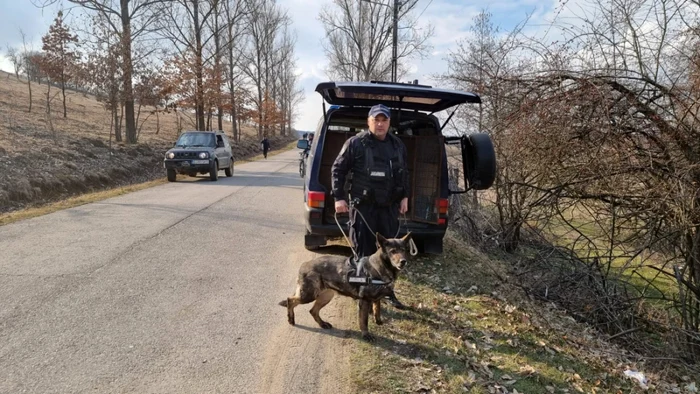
[380,219]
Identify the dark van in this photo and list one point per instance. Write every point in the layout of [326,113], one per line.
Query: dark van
[413,121]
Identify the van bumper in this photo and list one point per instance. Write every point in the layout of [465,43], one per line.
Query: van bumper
[428,237]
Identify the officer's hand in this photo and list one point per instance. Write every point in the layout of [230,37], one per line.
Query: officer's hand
[341,206]
[402,209]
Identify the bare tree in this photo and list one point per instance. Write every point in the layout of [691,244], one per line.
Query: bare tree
[235,12]
[26,65]
[598,143]
[59,55]
[188,25]
[128,19]
[102,71]
[359,39]
[15,57]
[265,21]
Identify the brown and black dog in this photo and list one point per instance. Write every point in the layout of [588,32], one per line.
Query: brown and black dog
[321,278]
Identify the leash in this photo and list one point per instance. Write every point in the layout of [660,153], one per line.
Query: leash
[413,249]
[335,216]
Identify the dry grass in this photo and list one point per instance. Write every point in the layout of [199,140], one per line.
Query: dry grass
[83,199]
[48,159]
[469,331]
[86,117]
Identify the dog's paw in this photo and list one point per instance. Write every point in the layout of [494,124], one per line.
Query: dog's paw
[368,337]
[378,322]
[291,320]
[326,325]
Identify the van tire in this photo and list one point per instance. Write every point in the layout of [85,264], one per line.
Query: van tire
[481,165]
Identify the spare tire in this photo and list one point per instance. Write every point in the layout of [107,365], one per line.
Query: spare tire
[479,161]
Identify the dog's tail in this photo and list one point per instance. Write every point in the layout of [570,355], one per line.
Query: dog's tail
[283,303]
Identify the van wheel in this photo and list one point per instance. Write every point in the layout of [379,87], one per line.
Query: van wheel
[481,164]
[214,172]
[172,176]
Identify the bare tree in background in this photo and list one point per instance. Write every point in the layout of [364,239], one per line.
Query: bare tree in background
[235,33]
[483,65]
[26,65]
[359,40]
[15,57]
[598,147]
[188,24]
[129,20]
[265,21]
[102,71]
[60,56]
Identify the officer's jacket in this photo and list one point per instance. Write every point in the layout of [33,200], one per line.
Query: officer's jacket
[387,160]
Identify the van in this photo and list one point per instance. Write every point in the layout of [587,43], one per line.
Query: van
[412,120]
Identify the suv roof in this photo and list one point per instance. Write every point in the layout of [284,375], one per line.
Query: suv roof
[394,95]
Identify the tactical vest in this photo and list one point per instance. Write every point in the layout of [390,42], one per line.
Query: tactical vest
[376,179]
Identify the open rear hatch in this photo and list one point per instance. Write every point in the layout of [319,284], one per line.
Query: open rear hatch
[394,95]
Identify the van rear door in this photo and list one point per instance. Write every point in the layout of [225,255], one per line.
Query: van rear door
[394,95]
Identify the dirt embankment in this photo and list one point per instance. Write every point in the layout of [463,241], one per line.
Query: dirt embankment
[53,169]
[45,157]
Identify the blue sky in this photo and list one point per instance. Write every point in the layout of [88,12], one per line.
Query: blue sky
[451,19]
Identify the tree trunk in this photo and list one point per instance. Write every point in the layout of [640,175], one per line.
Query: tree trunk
[117,123]
[29,84]
[48,97]
[63,91]
[199,93]
[128,71]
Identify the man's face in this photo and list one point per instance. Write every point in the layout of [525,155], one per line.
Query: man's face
[378,125]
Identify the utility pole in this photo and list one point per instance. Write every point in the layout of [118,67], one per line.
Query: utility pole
[395,31]
[394,53]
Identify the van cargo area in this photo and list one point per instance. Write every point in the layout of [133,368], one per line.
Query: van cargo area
[424,148]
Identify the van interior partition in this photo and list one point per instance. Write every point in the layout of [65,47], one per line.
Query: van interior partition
[424,149]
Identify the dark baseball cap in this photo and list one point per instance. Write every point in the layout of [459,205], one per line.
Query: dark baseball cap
[380,109]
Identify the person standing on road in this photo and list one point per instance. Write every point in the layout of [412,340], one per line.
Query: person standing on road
[379,189]
[265,143]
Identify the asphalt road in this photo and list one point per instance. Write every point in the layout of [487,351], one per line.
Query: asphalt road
[171,289]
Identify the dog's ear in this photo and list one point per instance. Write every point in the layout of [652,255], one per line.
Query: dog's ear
[406,238]
[380,240]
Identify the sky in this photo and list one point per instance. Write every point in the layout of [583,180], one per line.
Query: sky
[451,19]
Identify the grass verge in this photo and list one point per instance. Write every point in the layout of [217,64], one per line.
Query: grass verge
[463,334]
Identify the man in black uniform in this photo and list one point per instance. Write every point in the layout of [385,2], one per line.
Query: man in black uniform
[265,143]
[375,161]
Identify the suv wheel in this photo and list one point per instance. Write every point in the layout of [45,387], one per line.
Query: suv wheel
[172,176]
[214,172]
[229,170]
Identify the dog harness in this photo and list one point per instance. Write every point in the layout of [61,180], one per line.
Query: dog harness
[358,275]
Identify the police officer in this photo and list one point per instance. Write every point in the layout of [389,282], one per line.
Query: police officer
[373,163]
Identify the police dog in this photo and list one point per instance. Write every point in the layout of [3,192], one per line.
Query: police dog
[321,278]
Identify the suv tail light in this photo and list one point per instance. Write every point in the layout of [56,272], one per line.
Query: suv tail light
[316,199]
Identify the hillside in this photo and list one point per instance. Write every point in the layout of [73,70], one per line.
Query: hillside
[38,165]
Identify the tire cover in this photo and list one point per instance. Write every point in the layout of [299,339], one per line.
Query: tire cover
[482,161]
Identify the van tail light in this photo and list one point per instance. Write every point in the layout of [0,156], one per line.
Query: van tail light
[442,204]
[316,199]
